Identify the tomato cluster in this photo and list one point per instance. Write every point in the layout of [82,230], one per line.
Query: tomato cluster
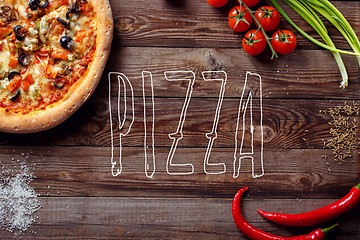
[266,19]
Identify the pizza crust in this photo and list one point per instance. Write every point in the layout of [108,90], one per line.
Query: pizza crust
[78,93]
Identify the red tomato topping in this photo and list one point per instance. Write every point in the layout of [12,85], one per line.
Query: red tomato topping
[13,61]
[29,78]
[59,54]
[14,83]
[25,85]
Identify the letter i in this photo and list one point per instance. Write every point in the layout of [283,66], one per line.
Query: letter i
[149,113]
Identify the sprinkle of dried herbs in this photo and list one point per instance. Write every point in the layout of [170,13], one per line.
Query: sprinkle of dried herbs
[344,138]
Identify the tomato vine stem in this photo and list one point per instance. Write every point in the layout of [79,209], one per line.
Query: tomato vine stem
[267,38]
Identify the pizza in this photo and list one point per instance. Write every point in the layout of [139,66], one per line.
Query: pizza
[52,55]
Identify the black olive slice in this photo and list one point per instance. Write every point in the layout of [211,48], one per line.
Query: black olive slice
[24,59]
[16,96]
[8,13]
[17,29]
[19,32]
[75,10]
[68,13]
[12,75]
[33,4]
[62,21]
[58,85]
[44,5]
[66,42]
[5,8]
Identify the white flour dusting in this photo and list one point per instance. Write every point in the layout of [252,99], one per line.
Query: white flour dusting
[18,200]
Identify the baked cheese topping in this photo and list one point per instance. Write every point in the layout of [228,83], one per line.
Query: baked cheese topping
[45,47]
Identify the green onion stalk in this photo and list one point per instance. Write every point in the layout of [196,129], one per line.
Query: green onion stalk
[335,17]
[307,10]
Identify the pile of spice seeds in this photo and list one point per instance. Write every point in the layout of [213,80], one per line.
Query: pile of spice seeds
[18,200]
[344,132]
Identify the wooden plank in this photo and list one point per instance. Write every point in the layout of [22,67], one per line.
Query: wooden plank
[294,124]
[72,162]
[290,76]
[86,171]
[285,80]
[196,24]
[164,218]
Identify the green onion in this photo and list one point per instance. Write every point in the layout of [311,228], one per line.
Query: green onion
[304,10]
[307,10]
[282,12]
[334,16]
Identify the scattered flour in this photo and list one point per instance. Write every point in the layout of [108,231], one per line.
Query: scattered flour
[18,200]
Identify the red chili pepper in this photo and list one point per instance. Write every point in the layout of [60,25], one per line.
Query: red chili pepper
[256,234]
[317,216]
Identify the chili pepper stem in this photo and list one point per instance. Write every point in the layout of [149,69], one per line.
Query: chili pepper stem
[330,229]
[357,186]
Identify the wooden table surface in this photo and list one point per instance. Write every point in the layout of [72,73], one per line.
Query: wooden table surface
[177,198]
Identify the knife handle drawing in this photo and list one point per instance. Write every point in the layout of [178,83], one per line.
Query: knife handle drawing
[124,115]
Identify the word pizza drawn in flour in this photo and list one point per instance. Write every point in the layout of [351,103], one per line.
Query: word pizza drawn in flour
[126,114]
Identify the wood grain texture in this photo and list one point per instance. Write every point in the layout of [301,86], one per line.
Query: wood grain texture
[287,124]
[86,171]
[196,24]
[287,86]
[290,76]
[178,218]
[72,162]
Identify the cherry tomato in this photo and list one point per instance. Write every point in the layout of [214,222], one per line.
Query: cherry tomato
[268,17]
[251,3]
[217,3]
[239,19]
[283,41]
[254,42]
